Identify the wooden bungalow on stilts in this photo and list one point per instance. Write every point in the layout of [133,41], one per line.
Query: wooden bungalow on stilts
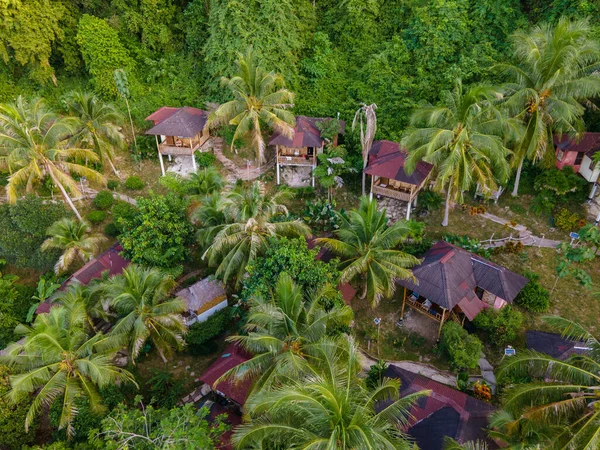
[178,132]
[454,284]
[388,178]
[302,149]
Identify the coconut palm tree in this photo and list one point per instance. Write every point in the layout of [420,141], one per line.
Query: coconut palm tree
[282,332]
[60,360]
[74,239]
[259,98]
[250,216]
[203,183]
[451,444]
[554,75]
[141,298]
[461,138]
[33,140]
[331,408]
[97,126]
[368,249]
[562,394]
[367,118]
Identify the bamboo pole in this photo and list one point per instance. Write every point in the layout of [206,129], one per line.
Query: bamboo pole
[403,303]
[441,323]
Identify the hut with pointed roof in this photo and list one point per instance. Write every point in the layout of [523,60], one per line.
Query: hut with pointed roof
[178,132]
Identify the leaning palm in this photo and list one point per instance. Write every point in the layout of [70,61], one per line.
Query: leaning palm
[33,140]
[250,216]
[75,240]
[141,298]
[554,75]
[98,126]
[368,249]
[329,409]
[563,393]
[461,138]
[259,98]
[284,332]
[60,361]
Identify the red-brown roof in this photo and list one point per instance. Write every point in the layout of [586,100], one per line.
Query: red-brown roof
[236,391]
[306,133]
[161,114]
[429,424]
[589,142]
[186,122]
[386,159]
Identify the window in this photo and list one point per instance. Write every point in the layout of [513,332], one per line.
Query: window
[560,154]
[479,292]
[579,158]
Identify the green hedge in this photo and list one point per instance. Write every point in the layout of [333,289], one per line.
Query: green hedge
[201,333]
[461,348]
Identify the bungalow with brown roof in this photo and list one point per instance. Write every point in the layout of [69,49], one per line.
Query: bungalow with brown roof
[454,284]
[302,149]
[388,177]
[203,299]
[182,132]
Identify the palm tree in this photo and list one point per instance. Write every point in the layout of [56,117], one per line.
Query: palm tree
[60,360]
[141,298]
[451,444]
[555,71]
[97,125]
[331,408]
[74,240]
[563,394]
[210,213]
[367,118]
[282,332]
[34,138]
[259,98]
[368,248]
[204,183]
[250,215]
[462,140]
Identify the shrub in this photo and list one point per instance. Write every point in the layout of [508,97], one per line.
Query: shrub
[200,333]
[482,391]
[12,417]
[534,297]
[501,326]
[111,230]
[430,200]
[164,389]
[124,212]
[321,215]
[96,216]
[103,200]
[205,159]
[565,220]
[134,183]
[461,348]
[112,184]
[376,373]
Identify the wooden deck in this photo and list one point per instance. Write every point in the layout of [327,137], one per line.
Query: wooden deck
[392,193]
[426,310]
[295,161]
[183,150]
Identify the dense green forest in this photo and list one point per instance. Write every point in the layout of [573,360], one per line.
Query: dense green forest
[333,54]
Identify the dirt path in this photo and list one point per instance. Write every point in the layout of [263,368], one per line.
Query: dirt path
[236,171]
[524,235]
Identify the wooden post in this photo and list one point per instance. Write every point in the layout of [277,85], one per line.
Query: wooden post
[403,303]
[277,163]
[442,322]
[193,158]
[408,210]
[372,181]
[162,164]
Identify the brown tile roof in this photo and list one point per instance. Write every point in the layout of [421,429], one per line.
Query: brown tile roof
[589,143]
[306,133]
[161,114]
[236,391]
[449,275]
[446,412]
[186,122]
[386,159]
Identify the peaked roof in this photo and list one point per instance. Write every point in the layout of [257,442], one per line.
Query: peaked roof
[203,295]
[161,114]
[553,344]
[386,159]
[589,143]
[233,356]
[446,412]
[186,122]
[449,275]
[306,133]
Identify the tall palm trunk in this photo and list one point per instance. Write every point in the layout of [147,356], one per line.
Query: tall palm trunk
[447,210]
[364,176]
[515,191]
[65,196]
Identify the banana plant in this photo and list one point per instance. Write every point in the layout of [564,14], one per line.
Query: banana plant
[45,289]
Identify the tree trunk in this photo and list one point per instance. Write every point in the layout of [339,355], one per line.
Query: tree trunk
[112,166]
[162,355]
[515,191]
[131,123]
[447,210]
[364,176]
[66,196]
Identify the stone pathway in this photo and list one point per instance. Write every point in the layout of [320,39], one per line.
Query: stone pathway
[524,235]
[395,209]
[236,172]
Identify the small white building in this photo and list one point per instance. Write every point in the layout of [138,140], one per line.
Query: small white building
[203,299]
[588,169]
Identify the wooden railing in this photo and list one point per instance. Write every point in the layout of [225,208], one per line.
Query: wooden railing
[420,306]
[392,193]
[295,160]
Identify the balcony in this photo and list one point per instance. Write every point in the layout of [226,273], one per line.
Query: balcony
[388,191]
[296,160]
